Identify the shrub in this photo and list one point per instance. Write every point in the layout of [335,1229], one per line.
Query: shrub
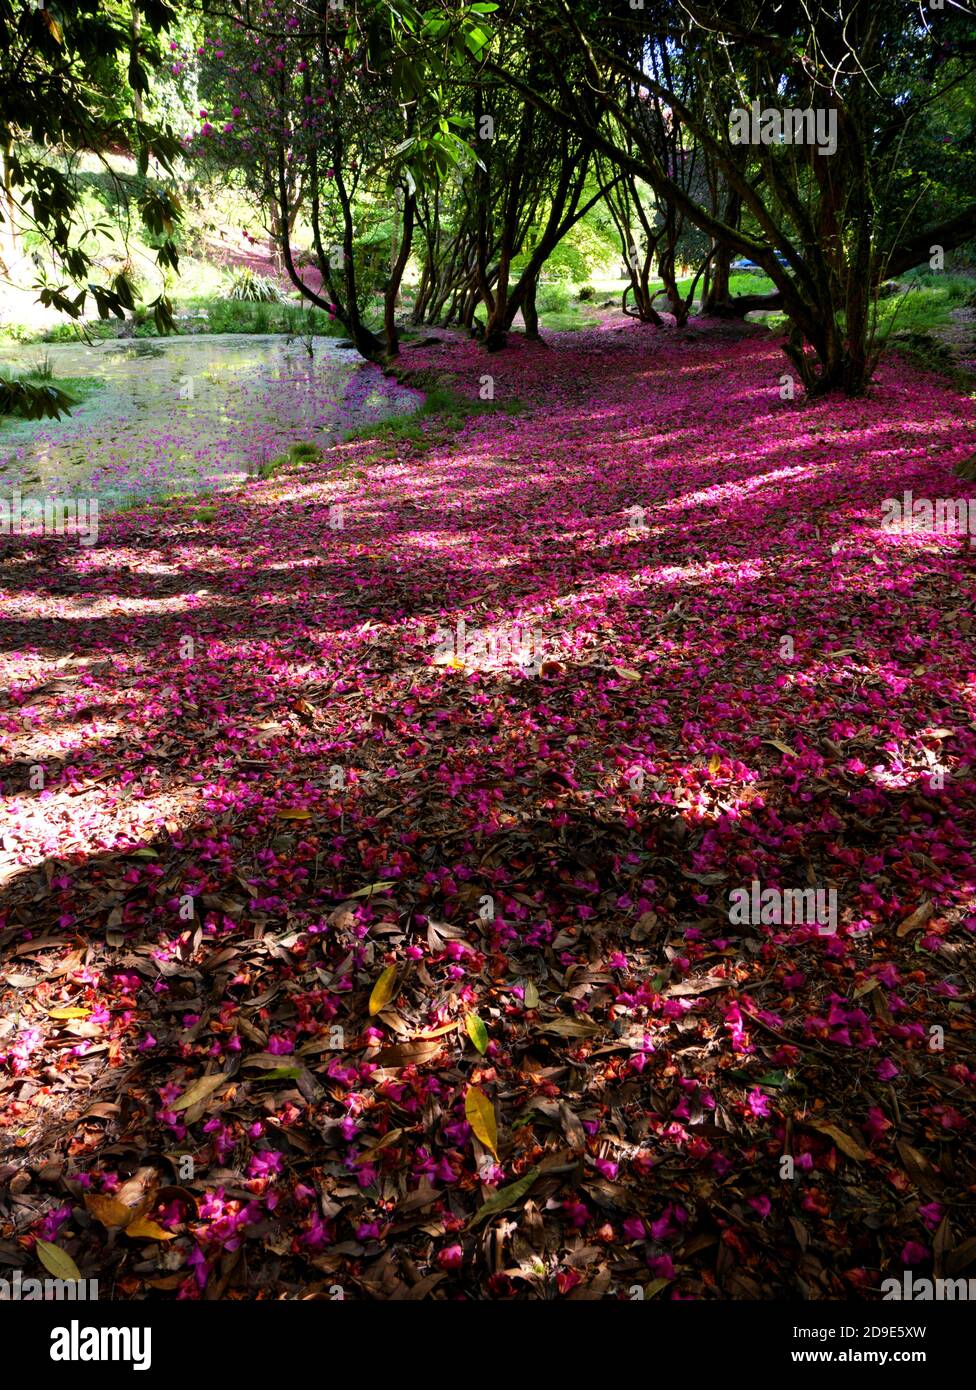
[41,369]
[552,299]
[258,289]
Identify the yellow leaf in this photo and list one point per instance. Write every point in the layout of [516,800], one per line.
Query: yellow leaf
[844,1142]
[53,28]
[142,1229]
[439,1032]
[57,1261]
[70,1013]
[530,995]
[294,813]
[625,673]
[382,990]
[781,747]
[108,1210]
[714,763]
[480,1115]
[200,1090]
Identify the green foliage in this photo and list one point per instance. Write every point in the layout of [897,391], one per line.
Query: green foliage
[304,453]
[439,417]
[37,394]
[246,284]
[553,299]
[41,369]
[33,400]
[926,302]
[60,91]
[246,316]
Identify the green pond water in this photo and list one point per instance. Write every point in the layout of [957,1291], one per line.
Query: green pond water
[186,414]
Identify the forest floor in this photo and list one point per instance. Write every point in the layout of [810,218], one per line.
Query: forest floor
[347,952]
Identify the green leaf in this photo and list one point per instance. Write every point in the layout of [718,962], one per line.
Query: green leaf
[477,1032]
[372,888]
[505,1197]
[57,1261]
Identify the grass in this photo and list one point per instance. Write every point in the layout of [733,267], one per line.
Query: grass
[72,389]
[298,453]
[443,411]
[927,302]
[249,316]
[576,314]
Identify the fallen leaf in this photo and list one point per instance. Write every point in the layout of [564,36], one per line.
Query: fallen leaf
[570,1028]
[372,888]
[781,747]
[108,1210]
[374,1149]
[57,1261]
[203,1087]
[141,1229]
[480,1114]
[437,1032]
[919,1169]
[382,990]
[411,1054]
[917,919]
[477,1032]
[844,1142]
[504,1197]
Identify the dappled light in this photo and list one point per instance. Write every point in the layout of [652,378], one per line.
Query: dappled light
[257,769]
[487,675]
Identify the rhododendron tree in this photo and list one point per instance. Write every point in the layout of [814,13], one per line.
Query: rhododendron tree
[327,116]
[827,220]
[504,827]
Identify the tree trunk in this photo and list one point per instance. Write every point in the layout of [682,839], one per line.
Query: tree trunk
[396,276]
[530,314]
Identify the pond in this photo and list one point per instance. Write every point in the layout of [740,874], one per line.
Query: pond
[187,414]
